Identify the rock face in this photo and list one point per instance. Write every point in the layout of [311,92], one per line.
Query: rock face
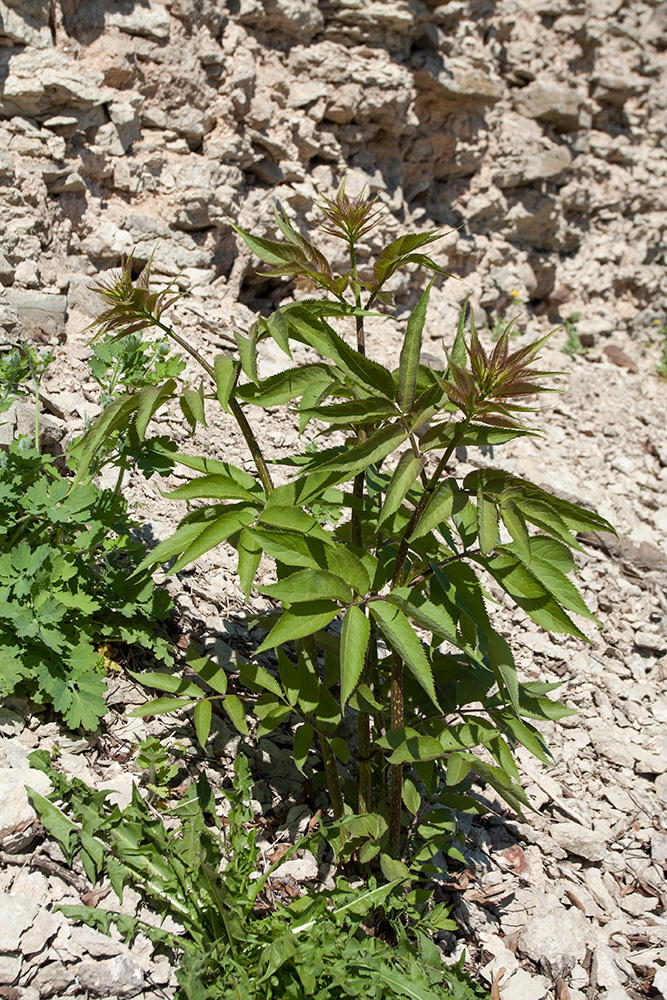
[535,128]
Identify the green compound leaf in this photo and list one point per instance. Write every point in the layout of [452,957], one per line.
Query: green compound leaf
[545,556]
[342,464]
[353,645]
[401,636]
[351,413]
[406,472]
[515,523]
[487,524]
[474,435]
[250,554]
[203,713]
[446,501]
[301,620]
[170,683]
[192,405]
[233,706]
[226,373]
[316,332]
[287,385]
[531,595]
[214,487]
[309,585]
[410,354]
[159,706]
[303,739]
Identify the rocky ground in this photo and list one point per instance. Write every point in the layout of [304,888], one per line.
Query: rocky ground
[536,126]
[570,902]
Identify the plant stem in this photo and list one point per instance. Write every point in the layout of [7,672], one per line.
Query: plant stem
[364,739]
[396,774]
[356,535]
[423,501]
[333,778]
[37,417]
[122,466]
[361,336]
[330,766]
[235,407]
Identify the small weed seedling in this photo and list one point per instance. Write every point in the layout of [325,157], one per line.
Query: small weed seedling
[573,343]
[661,367]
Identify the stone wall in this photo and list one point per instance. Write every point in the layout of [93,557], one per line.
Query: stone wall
[534,128]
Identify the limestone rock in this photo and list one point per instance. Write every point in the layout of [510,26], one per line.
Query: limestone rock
[525,986]
[118,976]
[18,914]
[26,22]
[43,81]
[458,83]
[550,102]
[389,23]
[297,18]
[16,813]
[554,937]
[36,308]
[146,21]
[578,840]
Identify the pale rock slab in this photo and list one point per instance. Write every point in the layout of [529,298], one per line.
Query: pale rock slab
[18,914]
[524,986]
[42,81]
[118,976]
[576,839]
[298,18]
[10,969]
[26,22]
[150,21]
[550,102]
[555,937]
[16,813]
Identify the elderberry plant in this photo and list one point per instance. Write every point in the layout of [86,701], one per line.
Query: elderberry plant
[383,615]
